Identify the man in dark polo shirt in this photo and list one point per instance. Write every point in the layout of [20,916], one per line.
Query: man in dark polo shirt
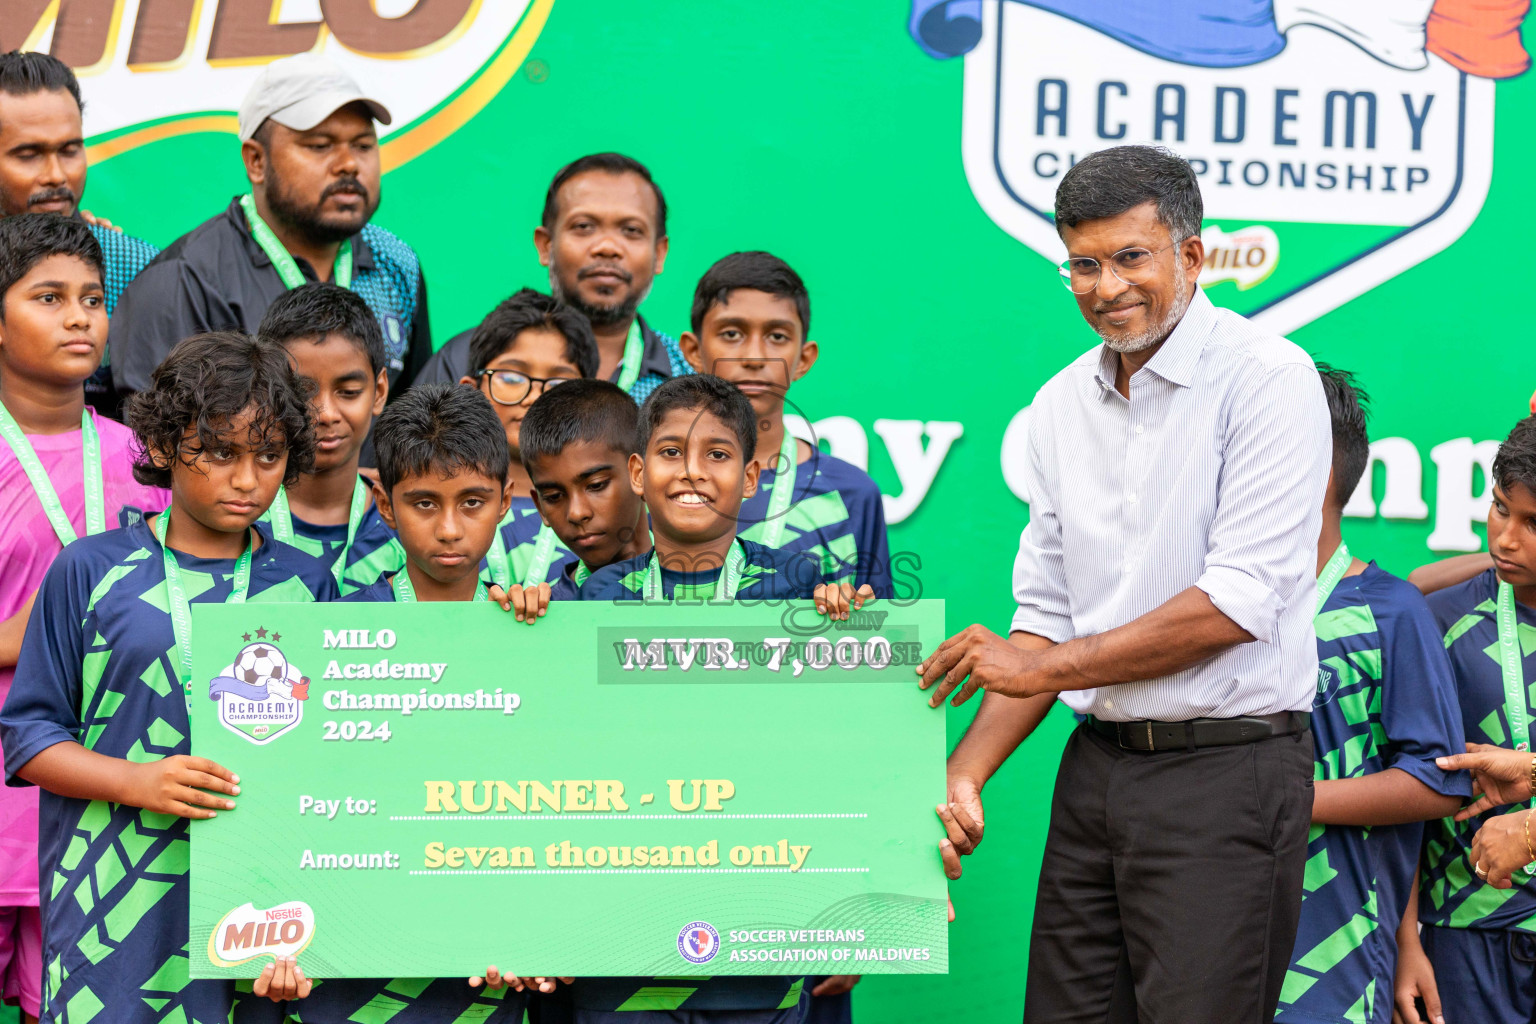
[603,237]
[311,153]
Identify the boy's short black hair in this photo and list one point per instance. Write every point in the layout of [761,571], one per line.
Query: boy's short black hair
[29,238]
[1348,407]
[22,74]
[1114,180]
[582,410]
[202,385]
[757,270]
[611,163]
[312,311]
[443,427]
[529,309]
[705,393]
[1516,461]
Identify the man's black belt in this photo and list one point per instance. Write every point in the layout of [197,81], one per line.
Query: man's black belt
[1202,732]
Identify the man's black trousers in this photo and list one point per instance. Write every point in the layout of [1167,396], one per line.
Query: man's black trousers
[1171,883]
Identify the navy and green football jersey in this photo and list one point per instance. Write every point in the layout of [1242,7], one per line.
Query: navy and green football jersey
[768,573]
[405,1000]
[375,550]
[836,514]
[98,667]
[520,534]
[1452,896]
[1385,699]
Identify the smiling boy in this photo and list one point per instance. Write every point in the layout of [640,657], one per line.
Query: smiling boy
[694,468]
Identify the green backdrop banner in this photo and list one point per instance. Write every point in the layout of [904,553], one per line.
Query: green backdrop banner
[1361,188]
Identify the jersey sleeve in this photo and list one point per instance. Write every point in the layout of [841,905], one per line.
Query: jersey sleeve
[43,708]
[1419,709]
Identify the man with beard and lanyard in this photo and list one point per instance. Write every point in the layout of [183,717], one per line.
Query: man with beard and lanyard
[603,237]
[1166,587]
[311,153]
[42,170]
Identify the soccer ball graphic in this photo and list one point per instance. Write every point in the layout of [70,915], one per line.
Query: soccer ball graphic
[261,663]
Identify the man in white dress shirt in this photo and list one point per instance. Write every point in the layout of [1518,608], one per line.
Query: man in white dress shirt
[1165,587]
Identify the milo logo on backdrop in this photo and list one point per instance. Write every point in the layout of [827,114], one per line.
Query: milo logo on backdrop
[1338,142]
[156,68]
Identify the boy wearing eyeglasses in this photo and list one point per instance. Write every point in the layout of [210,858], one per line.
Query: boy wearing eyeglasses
[528,344]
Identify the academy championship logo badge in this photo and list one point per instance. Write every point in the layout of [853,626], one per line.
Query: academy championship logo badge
[698,942]
[246,933]
[1338,142]
[152,69]
[260,694]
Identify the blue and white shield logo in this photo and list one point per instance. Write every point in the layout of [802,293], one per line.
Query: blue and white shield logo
[1338,142]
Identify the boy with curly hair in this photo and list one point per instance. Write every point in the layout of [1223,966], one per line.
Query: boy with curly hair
[97,714]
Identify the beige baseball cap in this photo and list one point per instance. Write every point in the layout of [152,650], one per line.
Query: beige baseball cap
[301,91]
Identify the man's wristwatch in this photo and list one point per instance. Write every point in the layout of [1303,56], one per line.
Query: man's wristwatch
[1533,775]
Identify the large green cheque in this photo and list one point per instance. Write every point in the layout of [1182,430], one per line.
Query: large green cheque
[617,790]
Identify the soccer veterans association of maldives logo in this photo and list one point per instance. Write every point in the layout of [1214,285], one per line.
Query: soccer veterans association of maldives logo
[151,69]
[260,694]
[1337,142]
[698,942]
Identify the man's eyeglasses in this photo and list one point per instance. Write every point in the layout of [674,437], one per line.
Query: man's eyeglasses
[1133,266]
[508,387]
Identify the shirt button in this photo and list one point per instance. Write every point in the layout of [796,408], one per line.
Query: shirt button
[1109,705]
[1139,428]
[1131,498]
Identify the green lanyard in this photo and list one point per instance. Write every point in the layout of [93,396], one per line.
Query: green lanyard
[1338,564]
[730,576]
[95,502]
[281,518]
[538,569]
[1514,677]
[405,590]
[782,494]
[634,348]
[282,260]
[181,612]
